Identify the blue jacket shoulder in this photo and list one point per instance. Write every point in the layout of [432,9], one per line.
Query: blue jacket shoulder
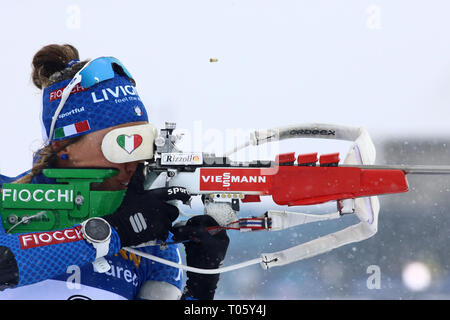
[5,179]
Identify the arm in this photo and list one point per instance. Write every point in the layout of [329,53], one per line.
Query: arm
[33,257]
[203,250]
[162,282]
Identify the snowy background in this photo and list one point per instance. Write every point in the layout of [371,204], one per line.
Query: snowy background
[380,64]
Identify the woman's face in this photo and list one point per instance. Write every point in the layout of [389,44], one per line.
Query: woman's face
[87,153]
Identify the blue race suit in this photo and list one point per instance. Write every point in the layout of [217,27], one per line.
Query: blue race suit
[64,270]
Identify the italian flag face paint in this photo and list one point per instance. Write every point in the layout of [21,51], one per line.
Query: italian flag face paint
[72,129]
[129,143]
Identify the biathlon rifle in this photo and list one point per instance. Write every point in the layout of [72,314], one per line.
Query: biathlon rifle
[223,185]
[290,180]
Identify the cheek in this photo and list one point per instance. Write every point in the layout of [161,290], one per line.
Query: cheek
[89,154]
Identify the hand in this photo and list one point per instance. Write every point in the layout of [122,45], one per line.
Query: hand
[205,251]
[145,215]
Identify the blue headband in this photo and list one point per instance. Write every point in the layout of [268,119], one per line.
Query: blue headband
[72,62]
[106,104]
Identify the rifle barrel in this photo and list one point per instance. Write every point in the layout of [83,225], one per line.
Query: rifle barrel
[408,169]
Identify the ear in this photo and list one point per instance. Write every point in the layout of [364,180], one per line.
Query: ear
[59,147]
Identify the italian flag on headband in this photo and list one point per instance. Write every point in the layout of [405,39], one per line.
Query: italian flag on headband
[72,129]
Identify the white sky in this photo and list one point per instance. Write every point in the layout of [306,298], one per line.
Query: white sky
[381,64]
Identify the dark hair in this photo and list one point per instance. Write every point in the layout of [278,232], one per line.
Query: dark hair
[50,64]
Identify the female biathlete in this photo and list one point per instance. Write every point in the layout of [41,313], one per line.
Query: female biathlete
[84,101]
